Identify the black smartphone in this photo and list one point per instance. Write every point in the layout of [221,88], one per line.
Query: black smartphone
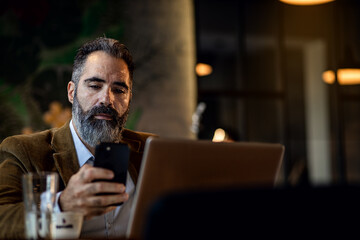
[113,156]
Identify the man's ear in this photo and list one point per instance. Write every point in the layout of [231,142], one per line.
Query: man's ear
[71,91]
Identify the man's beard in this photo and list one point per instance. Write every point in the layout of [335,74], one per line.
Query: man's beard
[92,130]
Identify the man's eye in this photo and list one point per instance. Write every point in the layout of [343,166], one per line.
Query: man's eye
[118,91]
[94,86]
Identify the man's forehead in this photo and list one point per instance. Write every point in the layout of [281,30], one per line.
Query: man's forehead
[101,56]
[100,62]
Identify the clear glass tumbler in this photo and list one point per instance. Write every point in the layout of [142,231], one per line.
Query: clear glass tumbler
[39,194]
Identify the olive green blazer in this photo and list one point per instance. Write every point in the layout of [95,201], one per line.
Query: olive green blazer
[50,150]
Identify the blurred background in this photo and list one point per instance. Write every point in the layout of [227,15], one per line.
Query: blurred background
[254,70]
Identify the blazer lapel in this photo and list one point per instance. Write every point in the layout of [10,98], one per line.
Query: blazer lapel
[135,157]
[65,157]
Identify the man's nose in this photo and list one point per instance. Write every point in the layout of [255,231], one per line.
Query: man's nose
[107,97]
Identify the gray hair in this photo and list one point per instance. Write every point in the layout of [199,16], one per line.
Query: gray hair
[110,46]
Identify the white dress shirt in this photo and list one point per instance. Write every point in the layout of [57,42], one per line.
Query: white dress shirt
[114,223]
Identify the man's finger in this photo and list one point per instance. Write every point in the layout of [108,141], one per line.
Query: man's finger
[104,187]
[88,173]
[101,201]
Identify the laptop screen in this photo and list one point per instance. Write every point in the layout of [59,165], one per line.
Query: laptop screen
[172,165]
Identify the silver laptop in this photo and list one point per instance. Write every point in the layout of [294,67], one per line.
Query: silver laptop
[172,165]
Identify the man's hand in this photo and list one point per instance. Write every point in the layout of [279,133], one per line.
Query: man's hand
[80,193]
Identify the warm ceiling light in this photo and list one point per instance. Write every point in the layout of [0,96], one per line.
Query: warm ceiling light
[346,76]
[219,135]
[203,69]
[349,76]
[328,76]
[305,2]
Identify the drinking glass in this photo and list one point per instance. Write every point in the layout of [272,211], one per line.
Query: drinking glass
[39,194]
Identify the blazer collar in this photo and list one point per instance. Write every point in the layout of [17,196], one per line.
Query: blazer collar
[65,156]
[134,145]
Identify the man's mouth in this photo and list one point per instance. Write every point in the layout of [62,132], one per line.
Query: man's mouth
[103,116]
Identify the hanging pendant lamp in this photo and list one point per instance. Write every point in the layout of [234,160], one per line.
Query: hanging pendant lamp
[305,2]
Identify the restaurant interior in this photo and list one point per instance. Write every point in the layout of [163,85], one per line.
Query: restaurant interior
[268,71]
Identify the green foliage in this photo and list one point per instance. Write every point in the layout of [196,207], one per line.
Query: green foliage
[9,96]
[92,16]
[10,122]
[10,111]
[133,119]
[38,44]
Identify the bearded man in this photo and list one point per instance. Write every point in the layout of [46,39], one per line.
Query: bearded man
[100,92]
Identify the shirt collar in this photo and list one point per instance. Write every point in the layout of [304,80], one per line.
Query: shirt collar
[82,152]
